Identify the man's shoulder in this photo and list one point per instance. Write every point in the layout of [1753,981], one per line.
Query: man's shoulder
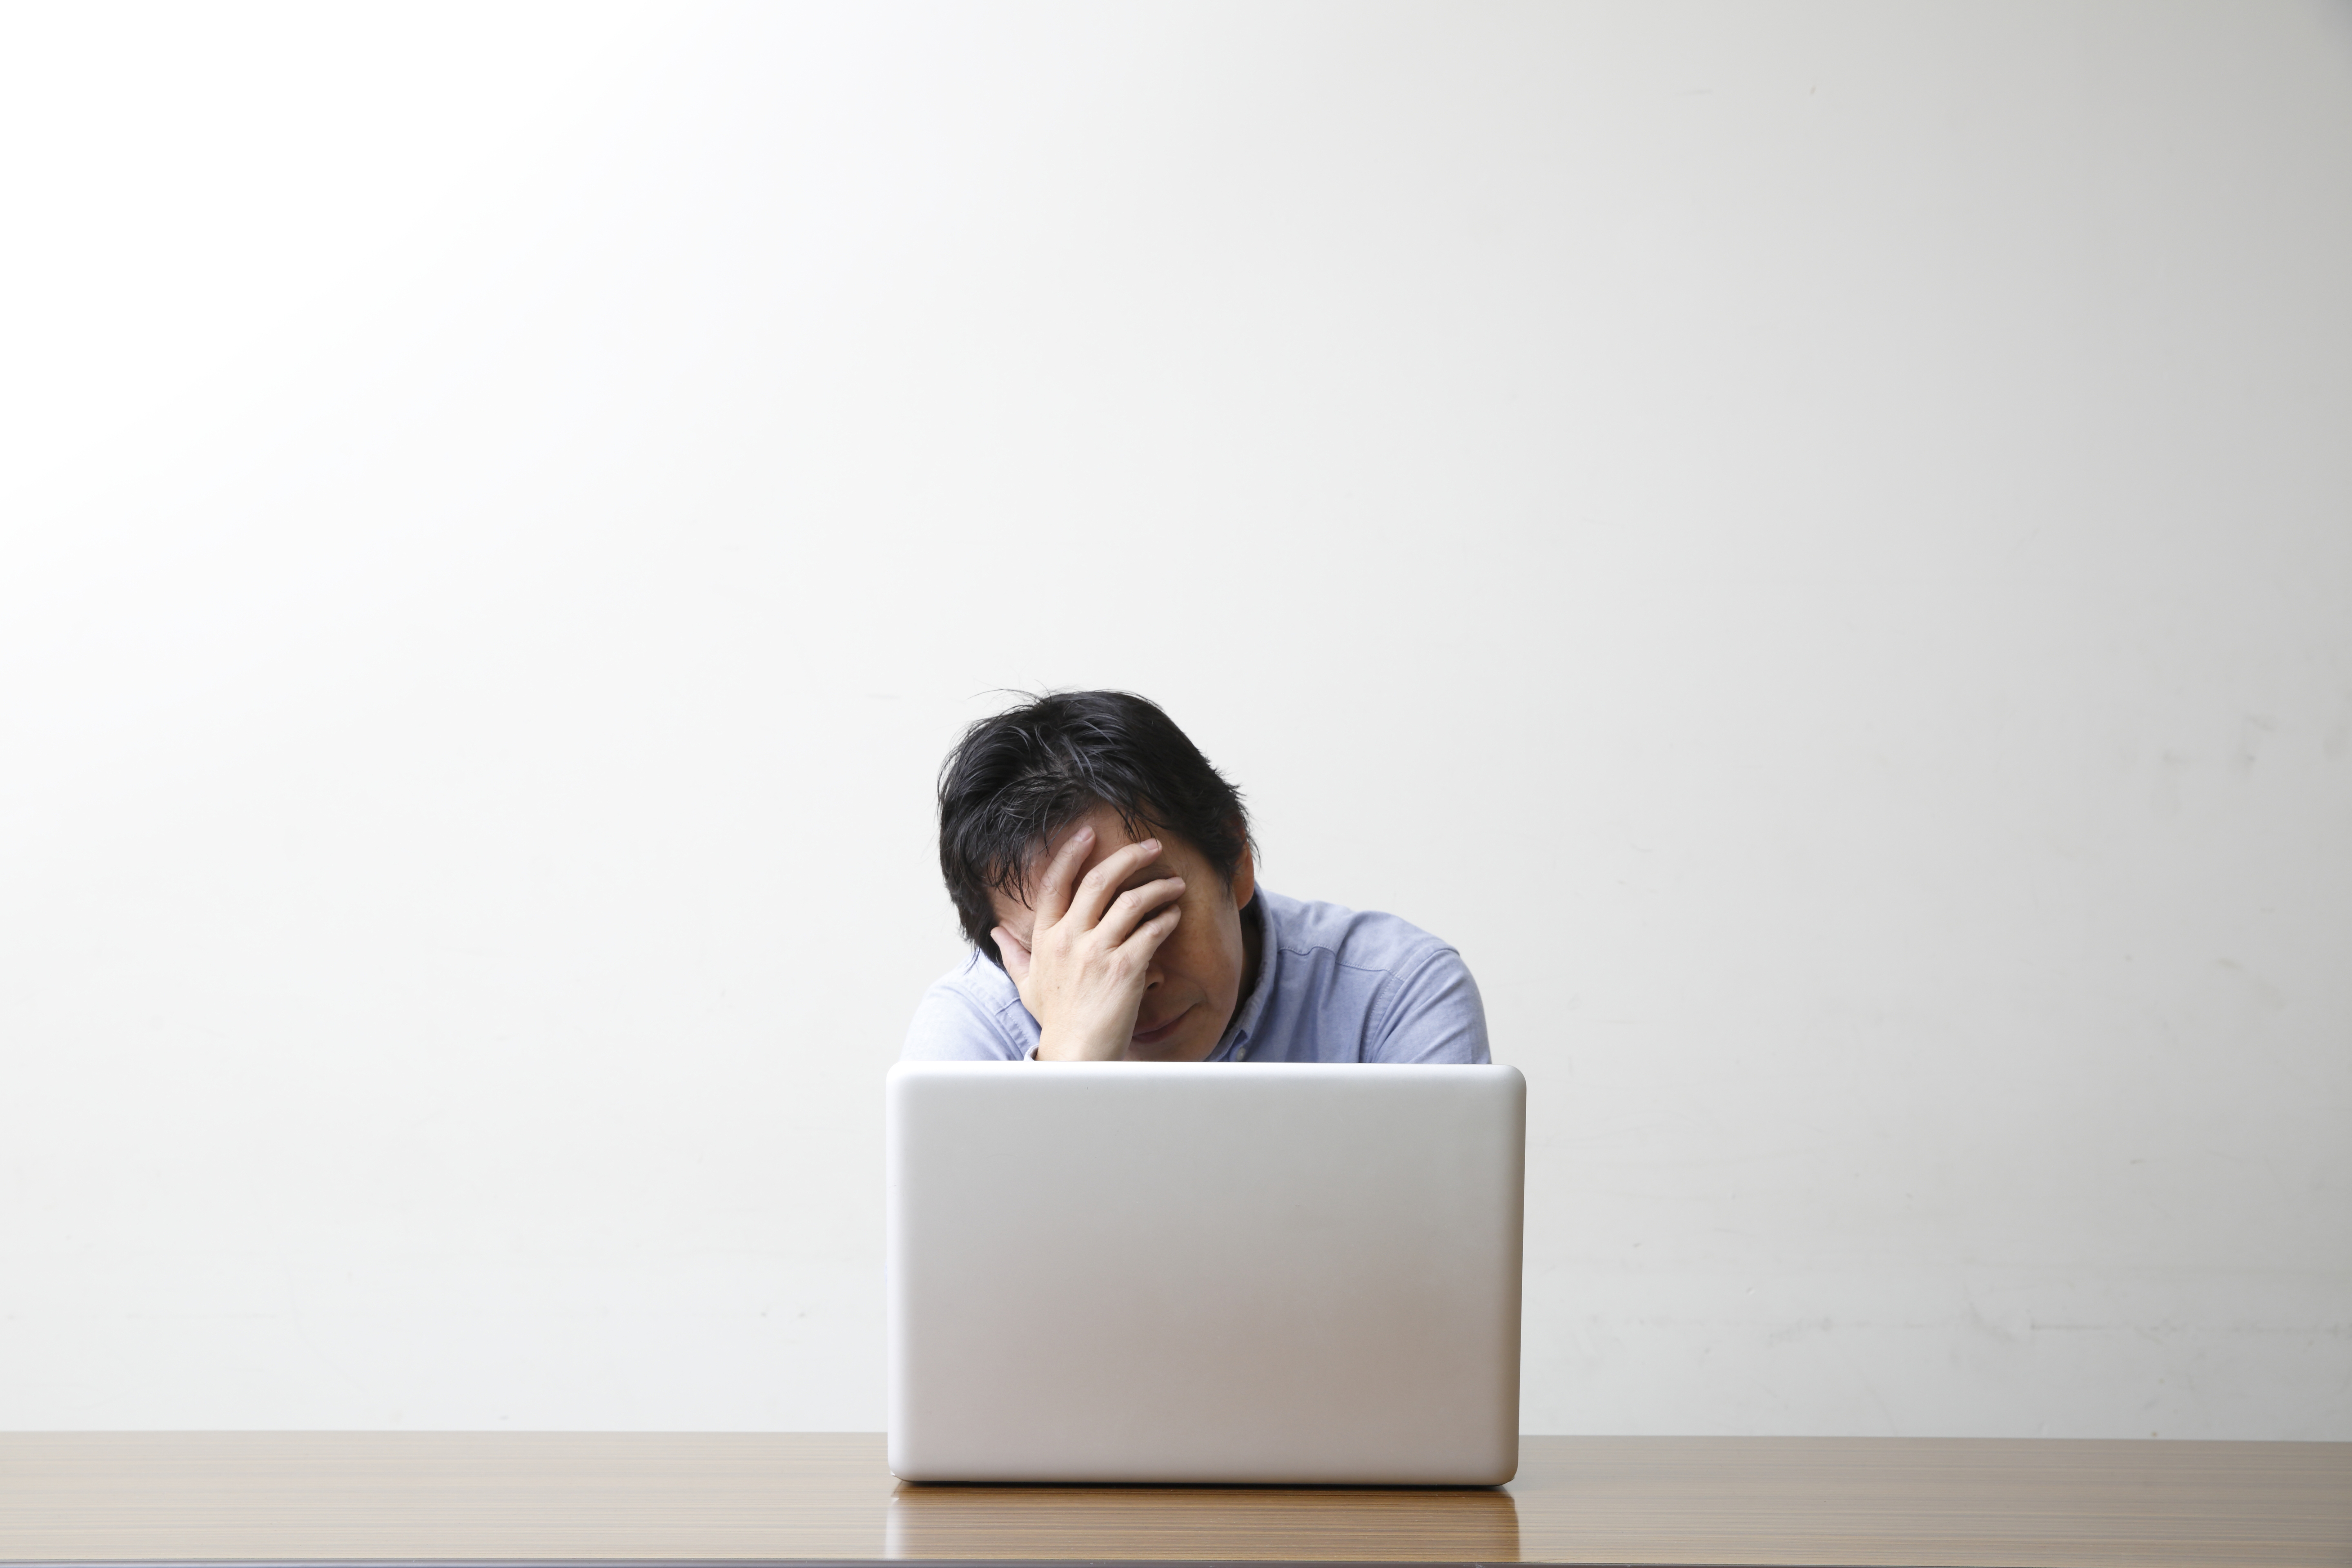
[1368,986]
[972,1011]
[1360,939]
[981,982]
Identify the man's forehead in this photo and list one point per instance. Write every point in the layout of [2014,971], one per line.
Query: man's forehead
[1112,834]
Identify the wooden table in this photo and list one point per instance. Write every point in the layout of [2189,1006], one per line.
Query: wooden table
[341,1496]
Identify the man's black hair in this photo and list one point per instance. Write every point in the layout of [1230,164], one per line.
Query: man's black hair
[1019,778]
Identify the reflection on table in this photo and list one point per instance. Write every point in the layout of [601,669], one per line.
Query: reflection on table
[1356,1523]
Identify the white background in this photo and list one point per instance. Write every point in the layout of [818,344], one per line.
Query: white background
[1813,542]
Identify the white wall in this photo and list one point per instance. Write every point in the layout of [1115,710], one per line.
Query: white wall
[1813,542]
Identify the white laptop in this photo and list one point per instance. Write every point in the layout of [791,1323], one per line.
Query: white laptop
[1233,1272]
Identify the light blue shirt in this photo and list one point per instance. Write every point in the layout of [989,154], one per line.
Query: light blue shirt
[1333,985]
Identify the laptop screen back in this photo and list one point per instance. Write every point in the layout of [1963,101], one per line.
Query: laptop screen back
[1234,1272]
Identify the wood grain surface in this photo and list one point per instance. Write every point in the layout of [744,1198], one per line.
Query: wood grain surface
[326,1496]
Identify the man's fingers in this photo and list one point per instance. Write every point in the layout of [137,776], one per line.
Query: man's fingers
[1053,897]
[1095,889]
[1148,936]
[1130,908]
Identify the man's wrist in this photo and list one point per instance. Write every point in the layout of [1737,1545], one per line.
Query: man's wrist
[1057,1046]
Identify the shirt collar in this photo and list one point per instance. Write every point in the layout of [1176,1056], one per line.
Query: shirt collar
[1239,1032]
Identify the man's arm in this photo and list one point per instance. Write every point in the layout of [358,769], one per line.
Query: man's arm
[1433,1016]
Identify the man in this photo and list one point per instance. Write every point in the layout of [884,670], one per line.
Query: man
[1103,872]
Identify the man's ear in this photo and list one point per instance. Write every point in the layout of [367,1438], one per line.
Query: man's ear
[1244,883]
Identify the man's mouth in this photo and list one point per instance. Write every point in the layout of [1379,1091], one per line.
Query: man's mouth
[1155,1035]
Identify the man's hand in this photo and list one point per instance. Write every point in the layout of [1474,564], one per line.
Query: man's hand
[1083,972]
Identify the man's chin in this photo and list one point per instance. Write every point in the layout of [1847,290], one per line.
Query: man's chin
[1184,1039]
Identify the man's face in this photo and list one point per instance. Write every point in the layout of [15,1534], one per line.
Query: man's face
[1195,979]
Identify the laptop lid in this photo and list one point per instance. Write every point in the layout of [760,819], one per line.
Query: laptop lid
[1229,1272]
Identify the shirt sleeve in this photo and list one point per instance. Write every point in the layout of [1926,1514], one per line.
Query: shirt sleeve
[1434,1015]
[950,1025]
